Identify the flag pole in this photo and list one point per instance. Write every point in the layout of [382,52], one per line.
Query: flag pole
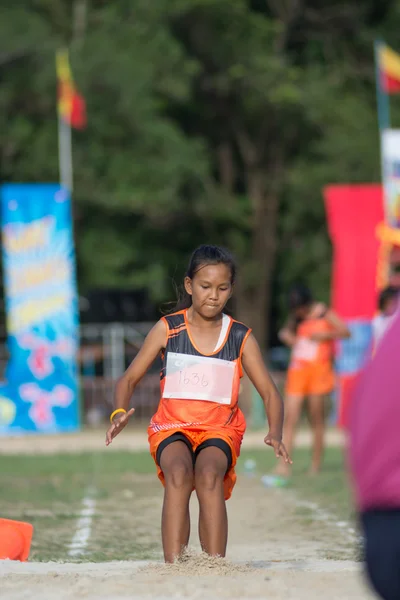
[382,97]
[65,154]
[65,163]
[383,107]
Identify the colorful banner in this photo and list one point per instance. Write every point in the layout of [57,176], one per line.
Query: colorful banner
[40,393]
[391,176]
[354,213]
[389,69]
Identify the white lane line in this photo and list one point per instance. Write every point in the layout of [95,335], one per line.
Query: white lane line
[320,514]
[84,526]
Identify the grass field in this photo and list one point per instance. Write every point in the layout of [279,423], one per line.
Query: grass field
[48,491]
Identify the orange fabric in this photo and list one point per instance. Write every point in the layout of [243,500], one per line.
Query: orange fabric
[310,326]
[71,105]
[171,333]
[15,540]
[193,412]
[197,437]
[312,374]
[201,420]
[315,379]
[196,412]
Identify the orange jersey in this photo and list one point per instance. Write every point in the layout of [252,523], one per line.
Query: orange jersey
[199,392]
[310,379]
[197,376]
[310,371]
[307,350]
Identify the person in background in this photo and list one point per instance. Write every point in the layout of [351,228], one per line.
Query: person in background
[374,461]
[388,305]
[310,332]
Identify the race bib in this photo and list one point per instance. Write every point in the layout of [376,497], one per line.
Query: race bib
[198,378]
[305,349]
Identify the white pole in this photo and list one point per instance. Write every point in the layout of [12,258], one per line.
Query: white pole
[117,358]
[65,154]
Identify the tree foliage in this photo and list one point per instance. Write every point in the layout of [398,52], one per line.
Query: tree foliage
[208,120]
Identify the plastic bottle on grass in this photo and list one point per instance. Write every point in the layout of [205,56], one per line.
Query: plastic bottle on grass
[274,481]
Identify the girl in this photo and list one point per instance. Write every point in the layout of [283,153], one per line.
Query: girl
[310,331]
[196,433]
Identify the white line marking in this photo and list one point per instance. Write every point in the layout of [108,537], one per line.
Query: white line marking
[321,514]
[83,526]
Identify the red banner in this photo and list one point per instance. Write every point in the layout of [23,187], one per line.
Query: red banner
[354,212]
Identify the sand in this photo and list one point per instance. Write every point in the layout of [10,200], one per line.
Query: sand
[297,581]
[273,552]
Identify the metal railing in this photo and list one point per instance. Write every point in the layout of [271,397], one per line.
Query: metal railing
[105,352]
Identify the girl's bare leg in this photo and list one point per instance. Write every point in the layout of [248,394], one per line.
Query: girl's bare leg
[210,471]
[293,406]
[316,411]
[177,464]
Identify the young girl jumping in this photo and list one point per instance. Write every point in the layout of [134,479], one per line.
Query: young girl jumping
[196,433]
[309,332]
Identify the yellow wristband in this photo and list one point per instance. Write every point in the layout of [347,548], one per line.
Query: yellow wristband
[119,410]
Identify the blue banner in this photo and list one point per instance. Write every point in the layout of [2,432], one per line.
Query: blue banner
[40,392]
[353,352]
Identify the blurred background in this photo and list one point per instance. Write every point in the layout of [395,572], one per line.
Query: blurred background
[197,121]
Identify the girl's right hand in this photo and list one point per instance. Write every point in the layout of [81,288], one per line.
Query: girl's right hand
[119,422]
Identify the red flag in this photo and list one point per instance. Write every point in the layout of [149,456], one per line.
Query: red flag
[71,105]
[389,65]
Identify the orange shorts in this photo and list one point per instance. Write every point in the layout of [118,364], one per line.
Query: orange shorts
[310,379]
[196,438]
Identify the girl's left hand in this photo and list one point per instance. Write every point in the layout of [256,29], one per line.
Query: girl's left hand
[279,448]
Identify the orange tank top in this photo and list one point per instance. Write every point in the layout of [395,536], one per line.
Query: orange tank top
[310,351]
[199,389]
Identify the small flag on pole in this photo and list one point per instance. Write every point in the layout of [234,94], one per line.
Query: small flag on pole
[389,68]
[71,114]
[71,105]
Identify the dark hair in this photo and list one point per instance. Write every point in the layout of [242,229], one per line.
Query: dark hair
[204,255]
[387,294]
[299,297]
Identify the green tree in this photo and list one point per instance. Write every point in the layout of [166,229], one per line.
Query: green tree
[283,116]
[208,120]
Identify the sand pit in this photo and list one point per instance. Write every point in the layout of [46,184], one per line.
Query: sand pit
[306,580]
[198,563]
[273,552]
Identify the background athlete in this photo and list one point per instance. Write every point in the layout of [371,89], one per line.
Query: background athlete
[309,332]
